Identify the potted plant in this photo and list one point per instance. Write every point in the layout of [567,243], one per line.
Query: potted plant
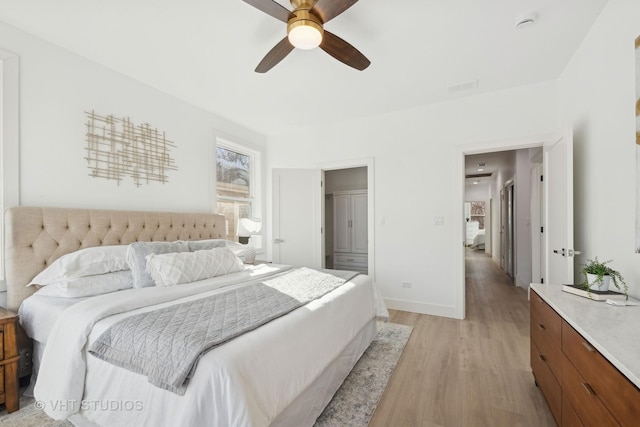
[598,274]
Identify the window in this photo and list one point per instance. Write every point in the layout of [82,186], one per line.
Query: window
[238,191]
[477,214]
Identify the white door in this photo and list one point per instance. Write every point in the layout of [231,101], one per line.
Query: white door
[359,229]
[297,217]
[558,206]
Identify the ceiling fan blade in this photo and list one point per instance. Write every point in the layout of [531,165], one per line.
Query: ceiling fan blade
[272,8]
[326,10]
[275,55]
[343,51]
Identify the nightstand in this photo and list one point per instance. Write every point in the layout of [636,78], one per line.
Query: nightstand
[9,360]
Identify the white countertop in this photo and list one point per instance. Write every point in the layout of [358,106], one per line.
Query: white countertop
[613,331]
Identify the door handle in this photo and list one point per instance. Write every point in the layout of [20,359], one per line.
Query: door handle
[278,241]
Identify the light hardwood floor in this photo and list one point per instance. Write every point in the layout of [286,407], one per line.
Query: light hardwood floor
[472,372]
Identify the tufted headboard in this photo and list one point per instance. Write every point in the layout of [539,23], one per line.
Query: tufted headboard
[35,237]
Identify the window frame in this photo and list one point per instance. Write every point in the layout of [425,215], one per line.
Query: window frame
[256,187]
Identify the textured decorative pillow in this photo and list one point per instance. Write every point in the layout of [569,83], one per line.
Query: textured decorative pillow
[245,252]
[89,285]
[203,245]
[138,252]
[83,262]
[176,268]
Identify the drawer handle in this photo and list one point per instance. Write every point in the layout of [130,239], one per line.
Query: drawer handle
[541,326]
[350,259]
[589,389]
[542,358]
[588,346]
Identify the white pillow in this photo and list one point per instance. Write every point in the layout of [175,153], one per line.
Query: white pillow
[136,258]
[245,252]
[83,262]
[203,245]
[89,285]
[184,267]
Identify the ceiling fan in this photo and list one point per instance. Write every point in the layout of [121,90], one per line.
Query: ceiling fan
[305,31]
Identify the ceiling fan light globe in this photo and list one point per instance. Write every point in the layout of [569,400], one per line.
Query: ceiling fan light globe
[305,37]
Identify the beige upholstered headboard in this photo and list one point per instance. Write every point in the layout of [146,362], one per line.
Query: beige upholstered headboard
[35,237]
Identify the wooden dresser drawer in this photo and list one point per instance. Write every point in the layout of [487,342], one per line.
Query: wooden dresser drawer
[593,413]
[546,326]
[614,389]
[547,382]
[569,416]
[1,344]
[544,313]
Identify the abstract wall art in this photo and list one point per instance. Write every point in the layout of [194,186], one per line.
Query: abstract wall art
[118,148]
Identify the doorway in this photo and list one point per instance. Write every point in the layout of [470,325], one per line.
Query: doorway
[298,227]
[346,224]
[507,229]
[501,176]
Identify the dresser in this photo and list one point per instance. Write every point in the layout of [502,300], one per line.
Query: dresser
[350,231]
[9,360]
[585,357]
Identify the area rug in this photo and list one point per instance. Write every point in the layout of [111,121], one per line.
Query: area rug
[352,405]
[357,398]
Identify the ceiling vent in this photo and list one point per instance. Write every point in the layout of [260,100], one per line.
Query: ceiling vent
[461,87]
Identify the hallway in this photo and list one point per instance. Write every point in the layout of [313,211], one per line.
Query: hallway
[472,372]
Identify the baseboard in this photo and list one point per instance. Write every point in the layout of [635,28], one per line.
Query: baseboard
[422,308]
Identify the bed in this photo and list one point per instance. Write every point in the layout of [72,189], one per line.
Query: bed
[283,373]
[479,241]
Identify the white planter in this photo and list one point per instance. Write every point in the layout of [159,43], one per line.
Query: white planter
[599,286]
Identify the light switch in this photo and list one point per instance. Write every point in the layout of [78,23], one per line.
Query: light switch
[438,220]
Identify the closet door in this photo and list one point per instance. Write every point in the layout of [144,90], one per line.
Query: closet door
[341,222]
[359,229]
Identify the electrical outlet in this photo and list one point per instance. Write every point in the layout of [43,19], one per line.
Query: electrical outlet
[406,284]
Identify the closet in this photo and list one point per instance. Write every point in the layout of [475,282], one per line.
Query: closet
[350,233]
[345,219]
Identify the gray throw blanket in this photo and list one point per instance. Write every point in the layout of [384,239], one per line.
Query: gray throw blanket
[165,344]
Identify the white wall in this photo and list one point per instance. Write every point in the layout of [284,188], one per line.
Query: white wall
[476,192]
[345,180]
[414,153]
[57,87]
[597,95]
[523,219]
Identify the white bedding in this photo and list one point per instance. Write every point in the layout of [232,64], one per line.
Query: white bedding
[246,382]
[39,313]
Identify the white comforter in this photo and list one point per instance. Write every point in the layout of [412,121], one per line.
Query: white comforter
[246,382]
